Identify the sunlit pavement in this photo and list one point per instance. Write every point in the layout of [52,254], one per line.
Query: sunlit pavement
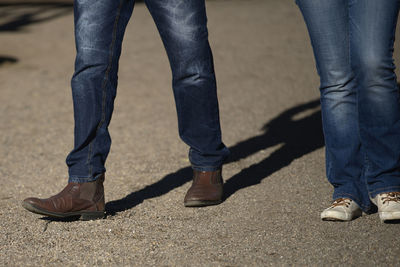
[275,180]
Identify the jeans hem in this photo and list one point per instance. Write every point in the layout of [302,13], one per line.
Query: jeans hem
[381,190]
[206,168]
[82,179]
[354,198]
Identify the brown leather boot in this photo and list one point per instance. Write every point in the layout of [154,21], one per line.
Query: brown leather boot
[85,200]
[206,189]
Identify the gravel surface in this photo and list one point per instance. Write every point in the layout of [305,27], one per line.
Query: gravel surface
[275,179]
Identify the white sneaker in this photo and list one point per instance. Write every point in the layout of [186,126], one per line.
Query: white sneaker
[342,209]
[388,205]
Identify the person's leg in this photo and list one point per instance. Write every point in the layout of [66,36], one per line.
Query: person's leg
[328,25]
[183,28]
[372,30]
[99,29]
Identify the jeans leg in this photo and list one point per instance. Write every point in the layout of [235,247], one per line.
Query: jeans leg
[372,25]
[183,28]
[99,30]
[328,25]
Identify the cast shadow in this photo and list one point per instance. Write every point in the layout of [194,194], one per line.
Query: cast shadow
[55,219]
[297,130]
[19,14]
[7,60]
[16,15]
[393,222]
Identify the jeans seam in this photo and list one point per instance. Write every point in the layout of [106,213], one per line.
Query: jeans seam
[385,188]
[104,84]
[366,167]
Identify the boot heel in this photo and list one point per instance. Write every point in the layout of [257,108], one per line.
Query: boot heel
[88,216]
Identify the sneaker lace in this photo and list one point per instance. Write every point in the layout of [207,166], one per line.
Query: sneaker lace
[341,202]
[392,196]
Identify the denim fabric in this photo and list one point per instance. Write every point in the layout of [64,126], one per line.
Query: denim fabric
[99,30]
[353,47]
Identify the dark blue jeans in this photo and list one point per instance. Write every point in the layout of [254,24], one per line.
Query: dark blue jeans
[353,47]
[99,30]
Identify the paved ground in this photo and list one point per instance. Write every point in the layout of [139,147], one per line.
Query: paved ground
[275,182]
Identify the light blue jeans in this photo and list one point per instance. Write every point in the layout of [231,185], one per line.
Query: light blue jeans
[353,47]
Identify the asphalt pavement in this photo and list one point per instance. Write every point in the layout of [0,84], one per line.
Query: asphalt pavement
[275,180]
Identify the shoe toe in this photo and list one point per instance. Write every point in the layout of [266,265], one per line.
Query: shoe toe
[203,196]
[389,215]
[30,203]
[31,200]
[335,214]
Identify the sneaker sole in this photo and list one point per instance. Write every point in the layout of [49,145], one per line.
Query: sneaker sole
[332,219]
[389,216]
[81,215]
[339,217]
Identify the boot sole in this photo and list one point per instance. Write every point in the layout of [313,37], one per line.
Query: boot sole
[202,203]
[83,215]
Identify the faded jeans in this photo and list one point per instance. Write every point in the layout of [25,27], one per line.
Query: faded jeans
[99,30]
[353,47]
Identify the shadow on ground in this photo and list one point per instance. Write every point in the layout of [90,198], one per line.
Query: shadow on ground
[7,60]
[298,130]
[15,16]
